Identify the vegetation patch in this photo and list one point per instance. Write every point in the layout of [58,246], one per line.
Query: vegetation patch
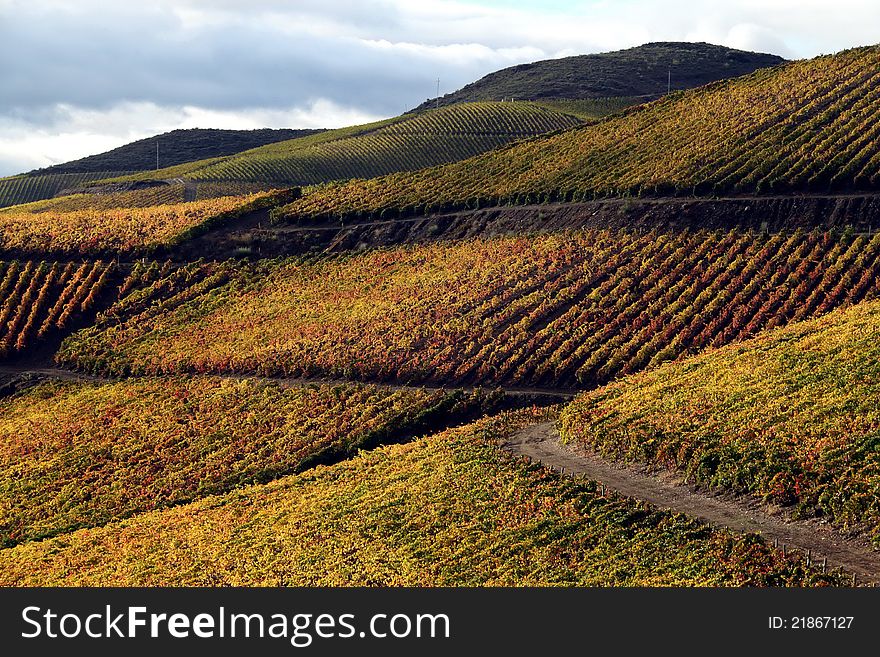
[791,416]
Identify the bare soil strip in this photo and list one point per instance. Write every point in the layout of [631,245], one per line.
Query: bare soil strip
[541,442]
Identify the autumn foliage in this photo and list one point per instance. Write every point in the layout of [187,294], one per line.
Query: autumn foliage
[562,310]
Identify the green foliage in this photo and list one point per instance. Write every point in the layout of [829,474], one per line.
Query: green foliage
[25,189]
[634,72]
[175,147]
[405,143]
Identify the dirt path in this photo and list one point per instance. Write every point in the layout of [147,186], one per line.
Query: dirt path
[541,442]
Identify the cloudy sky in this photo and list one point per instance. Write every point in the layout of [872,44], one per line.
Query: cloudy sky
[82,76]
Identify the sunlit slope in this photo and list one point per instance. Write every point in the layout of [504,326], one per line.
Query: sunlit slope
[792,416]
[561,310]
[404,143]
[119,224]
[451,509]
[83,454]
[806,126]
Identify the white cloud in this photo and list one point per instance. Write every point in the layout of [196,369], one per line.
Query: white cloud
[141,68]
[75,132]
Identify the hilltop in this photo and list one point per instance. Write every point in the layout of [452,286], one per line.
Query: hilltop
[632,74]
[807,126]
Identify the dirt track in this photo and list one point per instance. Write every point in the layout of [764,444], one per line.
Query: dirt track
[541,442]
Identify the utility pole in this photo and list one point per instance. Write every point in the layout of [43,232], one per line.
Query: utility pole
[157,155]
[437,103]
[669,83]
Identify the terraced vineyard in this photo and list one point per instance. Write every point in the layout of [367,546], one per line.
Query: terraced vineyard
[81,454]
[39,299]
[89,229]
[805,126]
[565,310]
[450,509]
[28,188]
[790,415]
[406,143]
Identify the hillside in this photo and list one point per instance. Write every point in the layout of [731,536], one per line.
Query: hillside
[634,73]
[448,509]
[121,225]
[791,416]
[807,126]
[83,454]
[175,147]
[563,310]
[28,188]
[403,143]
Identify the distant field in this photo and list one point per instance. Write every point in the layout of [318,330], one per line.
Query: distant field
[450,509]
[807,126]
[567,309]
[405,143]
[791,415]
[25,189]
[81,454]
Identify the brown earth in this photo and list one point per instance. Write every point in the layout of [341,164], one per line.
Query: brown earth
[541,442]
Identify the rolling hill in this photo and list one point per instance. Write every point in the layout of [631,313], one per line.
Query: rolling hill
[73,226]
[806,126]
[404,143]
[631,75]
[131,446]
[176,147]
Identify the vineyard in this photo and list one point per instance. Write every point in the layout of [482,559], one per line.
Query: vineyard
[41,299]
[562,310]
[405,143]
[449,509]
[141,198]
[807,126]
[813,443]
[77,455]
[93,230]
[27,188]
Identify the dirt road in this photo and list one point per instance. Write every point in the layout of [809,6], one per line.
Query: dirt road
[541,442]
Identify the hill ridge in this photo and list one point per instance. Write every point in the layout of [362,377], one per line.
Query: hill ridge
[618,73]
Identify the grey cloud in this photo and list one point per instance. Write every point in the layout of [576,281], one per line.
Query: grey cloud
[134,53]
